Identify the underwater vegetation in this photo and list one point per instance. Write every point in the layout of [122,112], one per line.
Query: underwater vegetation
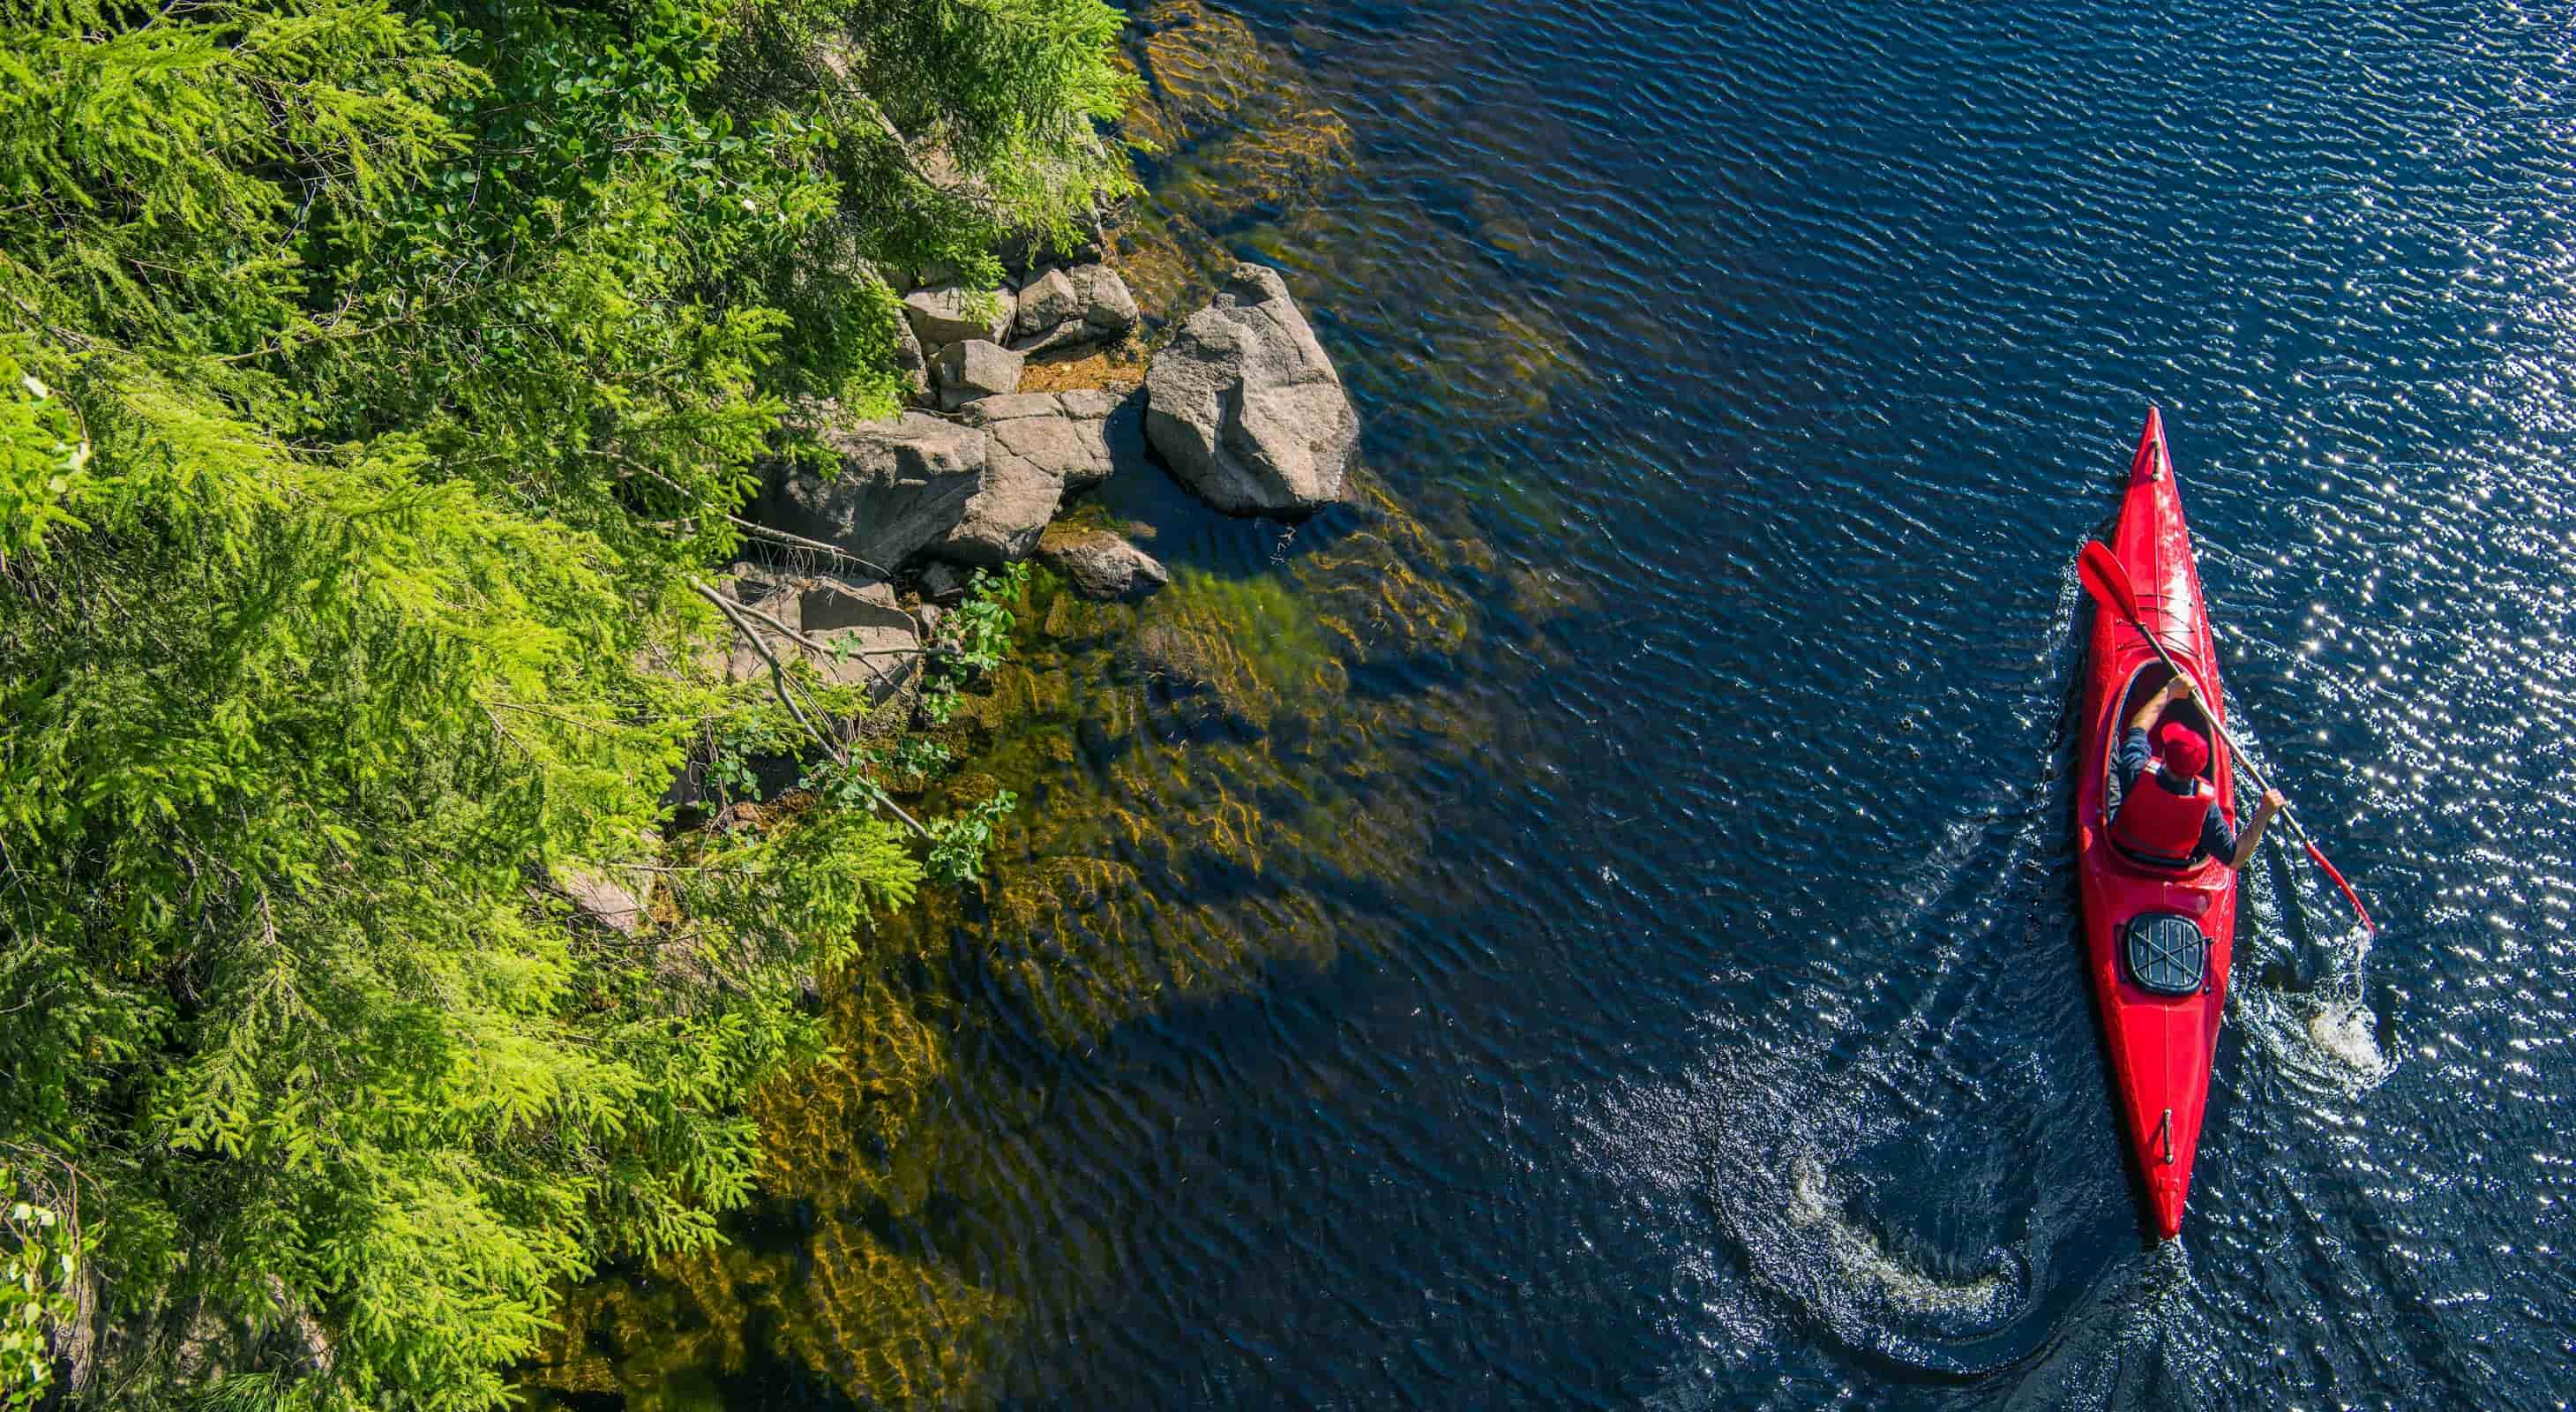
[1190,767]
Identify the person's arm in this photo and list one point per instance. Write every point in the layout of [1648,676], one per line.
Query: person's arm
[2132,758]
[2252,838]
[2216,838]
[2175,687]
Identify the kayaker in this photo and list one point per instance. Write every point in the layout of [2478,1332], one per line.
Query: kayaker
[2177,819]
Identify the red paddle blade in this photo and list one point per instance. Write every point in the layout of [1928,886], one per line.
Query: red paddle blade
[2107,579]
[2348,894]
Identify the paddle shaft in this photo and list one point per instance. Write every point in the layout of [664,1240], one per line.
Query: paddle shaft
[2232,752]
[2107,580]
[2297,829]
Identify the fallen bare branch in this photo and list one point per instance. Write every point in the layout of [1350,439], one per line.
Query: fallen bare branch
[780,536]
[735,613]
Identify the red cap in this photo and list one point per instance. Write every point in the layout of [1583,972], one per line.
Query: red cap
[2182,749]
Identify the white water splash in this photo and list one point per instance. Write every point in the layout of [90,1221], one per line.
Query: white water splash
[1860,1258]
[2346,1030]
[2326,1039]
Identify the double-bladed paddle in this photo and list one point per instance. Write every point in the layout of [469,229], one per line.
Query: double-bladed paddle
[2107,579]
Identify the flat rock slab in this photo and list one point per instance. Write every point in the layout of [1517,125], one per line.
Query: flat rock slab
[870,641]
[1075,436]
[866,638]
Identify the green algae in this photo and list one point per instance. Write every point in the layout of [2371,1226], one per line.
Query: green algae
[1237,133]
[1197,765]
[1234,120]
[1249,150]
[883,1326]
[1251,640]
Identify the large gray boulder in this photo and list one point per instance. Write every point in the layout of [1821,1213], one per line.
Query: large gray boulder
[916,487]
[1100,564]
[1246,407]
[1005,515]
[902,488]
[948,313]
[1070,435]
[1084,304]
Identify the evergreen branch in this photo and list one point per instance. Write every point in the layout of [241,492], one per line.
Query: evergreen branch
[349,295]
[73,342]
[877,117]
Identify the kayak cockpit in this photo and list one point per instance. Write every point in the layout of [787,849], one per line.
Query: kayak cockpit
[2147,680]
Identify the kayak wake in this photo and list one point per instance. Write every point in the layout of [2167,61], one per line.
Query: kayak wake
[1813,1126]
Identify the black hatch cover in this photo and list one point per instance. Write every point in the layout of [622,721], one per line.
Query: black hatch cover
[2166,953]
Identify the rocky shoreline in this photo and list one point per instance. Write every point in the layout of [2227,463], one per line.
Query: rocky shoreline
[1240,404]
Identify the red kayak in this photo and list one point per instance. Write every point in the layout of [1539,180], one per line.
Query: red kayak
[2157,935]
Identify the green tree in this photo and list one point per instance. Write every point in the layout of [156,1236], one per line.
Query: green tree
[378,385]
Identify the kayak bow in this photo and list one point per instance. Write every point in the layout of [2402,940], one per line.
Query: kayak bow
[2157,939]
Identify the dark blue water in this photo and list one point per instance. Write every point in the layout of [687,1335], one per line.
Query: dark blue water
[1706,1028]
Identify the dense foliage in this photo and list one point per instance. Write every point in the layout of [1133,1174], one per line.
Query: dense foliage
[377,383]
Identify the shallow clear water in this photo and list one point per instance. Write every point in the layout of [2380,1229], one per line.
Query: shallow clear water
[1648,966]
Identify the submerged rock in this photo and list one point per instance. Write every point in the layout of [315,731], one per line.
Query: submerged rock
[1247,408]
[1244,133]
[1099,564]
